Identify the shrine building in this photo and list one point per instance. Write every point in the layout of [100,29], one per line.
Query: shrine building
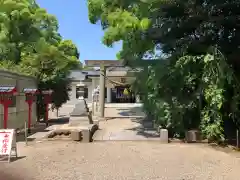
[117,80]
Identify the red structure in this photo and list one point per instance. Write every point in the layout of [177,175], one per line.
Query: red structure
[47,94]
[30,95]
[6,99]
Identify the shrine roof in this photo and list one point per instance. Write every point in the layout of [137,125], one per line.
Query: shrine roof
[8,73]
[7,89]
[118,71]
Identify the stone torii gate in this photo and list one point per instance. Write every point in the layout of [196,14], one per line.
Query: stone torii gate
[103,64]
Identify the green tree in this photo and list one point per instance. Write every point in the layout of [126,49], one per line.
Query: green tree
[70,50]
[196,45]
[30,43]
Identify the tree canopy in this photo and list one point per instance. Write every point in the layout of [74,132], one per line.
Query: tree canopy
[195,82]
[31,44]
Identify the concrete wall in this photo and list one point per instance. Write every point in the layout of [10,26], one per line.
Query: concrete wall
[18,114]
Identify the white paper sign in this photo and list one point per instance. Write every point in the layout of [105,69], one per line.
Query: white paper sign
[6,141]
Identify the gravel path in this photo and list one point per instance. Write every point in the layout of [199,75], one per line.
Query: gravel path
[124,160]
[124,129]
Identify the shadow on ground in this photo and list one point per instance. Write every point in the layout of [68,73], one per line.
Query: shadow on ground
[142,126]
[5,158]
[145,128]
[127,112]
[59,120]
[41,127]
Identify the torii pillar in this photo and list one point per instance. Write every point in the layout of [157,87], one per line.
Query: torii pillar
[102,90]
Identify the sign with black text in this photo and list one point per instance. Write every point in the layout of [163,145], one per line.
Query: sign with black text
[7,142]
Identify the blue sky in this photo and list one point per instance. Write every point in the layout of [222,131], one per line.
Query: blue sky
[73,21]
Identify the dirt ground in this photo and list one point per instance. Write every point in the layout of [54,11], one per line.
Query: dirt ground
[122,160]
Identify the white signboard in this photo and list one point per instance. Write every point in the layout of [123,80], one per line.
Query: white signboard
[7,142]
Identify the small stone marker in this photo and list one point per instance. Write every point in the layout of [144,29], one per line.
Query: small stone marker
[76,135]
[192,136]
[164,135]
[86,135]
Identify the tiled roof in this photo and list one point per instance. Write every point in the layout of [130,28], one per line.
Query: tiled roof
[7,89]
[81,75]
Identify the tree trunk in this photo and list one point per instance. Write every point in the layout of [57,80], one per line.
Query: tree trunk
[57,112]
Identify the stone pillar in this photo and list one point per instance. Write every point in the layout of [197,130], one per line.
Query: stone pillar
[109,95]
[73,93]
[102,91]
